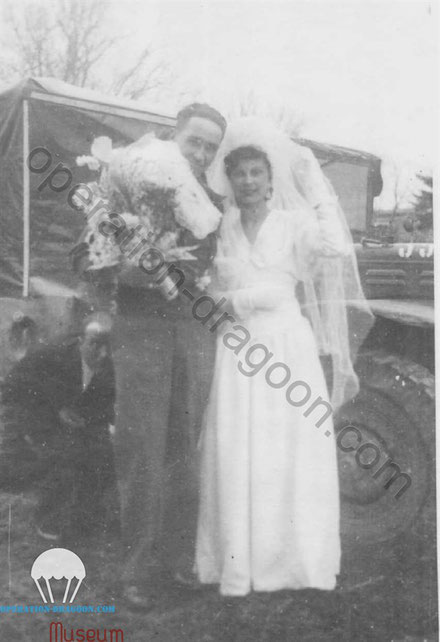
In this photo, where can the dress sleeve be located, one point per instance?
(257, 297)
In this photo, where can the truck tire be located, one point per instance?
(386, 451)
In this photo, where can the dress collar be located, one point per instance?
(242, 233)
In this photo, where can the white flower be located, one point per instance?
(91, 162)
(203, 282)
(102, 149)
(149, 164)
(149, 184)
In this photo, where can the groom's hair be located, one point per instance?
(200, 110)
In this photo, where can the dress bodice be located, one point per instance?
(286, 250)
(242, 264)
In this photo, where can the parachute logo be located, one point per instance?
(58, 563)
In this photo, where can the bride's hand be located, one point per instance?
(256, 298)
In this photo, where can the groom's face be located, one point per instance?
(199, 140)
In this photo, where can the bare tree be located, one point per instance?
(70, 40)
(282, 115)
(423, 198)
(410, 187)
(63, 40)
(144, 75)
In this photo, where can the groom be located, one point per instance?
(164, 360)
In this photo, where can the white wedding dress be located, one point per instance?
(269, 508)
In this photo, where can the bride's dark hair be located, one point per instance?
(246, 152)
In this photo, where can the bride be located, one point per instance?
(269, 498)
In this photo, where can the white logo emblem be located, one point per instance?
(58, 563)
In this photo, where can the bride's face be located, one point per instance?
(250, 182)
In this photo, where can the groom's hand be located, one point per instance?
(168, 288)
(181, 254)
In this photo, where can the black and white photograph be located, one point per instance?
(217, 320)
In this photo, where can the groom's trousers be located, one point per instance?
(164, 359)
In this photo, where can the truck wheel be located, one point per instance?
(386, 450)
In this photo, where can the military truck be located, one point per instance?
(385, 435)
(45, 124)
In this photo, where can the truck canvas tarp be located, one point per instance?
(38, 227)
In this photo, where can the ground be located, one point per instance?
(387, 594)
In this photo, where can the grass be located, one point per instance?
(393, 598)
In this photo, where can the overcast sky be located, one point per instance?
(360, 73)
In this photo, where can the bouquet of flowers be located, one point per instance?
(149, 184)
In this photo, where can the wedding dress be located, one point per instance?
(269, 511)
(269, 497)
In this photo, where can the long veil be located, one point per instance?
(333, 298)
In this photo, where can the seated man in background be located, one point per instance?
(58, 406)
